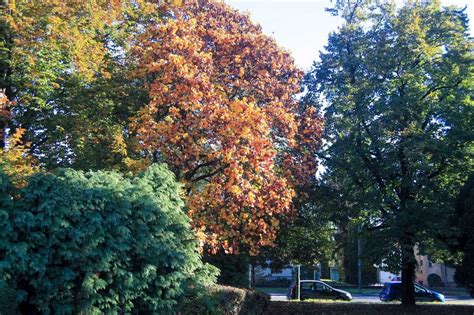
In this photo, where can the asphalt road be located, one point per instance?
(374, 298)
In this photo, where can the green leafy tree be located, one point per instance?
(465, 220)
(306, 241)
(98, 242)
(398, 121)
(234, 269)
(351, 257)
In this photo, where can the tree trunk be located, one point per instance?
(3, 116)
(3, 127)
(408, 273)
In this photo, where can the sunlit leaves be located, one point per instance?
(15, 159)
(223, 116)
(64, 68)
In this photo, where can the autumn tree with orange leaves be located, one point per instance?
(223, 115)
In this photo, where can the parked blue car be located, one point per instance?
(393, 291)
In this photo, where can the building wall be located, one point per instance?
(385, 276)
(426, 267)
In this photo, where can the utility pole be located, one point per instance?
(250, 276)
(359, 258)
(298, 282)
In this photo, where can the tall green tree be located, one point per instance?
(465, 220)
(398, 110)
(306, 241)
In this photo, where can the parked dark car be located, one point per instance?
(393, 291)
(314, 289)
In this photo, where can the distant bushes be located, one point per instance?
(97, 242)
(219, 299)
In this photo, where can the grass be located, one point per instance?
(365, 308)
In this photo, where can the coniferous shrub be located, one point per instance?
(98, 242)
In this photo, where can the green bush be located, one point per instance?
(219, 299)
(7, 300)
(98, 242)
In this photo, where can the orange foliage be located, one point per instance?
(16, 161)
(223, 116)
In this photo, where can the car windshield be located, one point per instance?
(314, 285)
(419, 288)
(327, 286)
(322, 287)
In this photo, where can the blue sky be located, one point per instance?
(302, 26)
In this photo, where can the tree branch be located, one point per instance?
(217, 171)
(438, 87)
(190, 174)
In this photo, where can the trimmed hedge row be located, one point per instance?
(276, 308)
(226, 300)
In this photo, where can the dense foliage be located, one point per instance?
(101, 85)
(16, 160)
(465, 220)
(209, 94)
(63, 77)
(95, 242)
(307, 241)
(350, 248)
(223, 116)
(398, 122)
(234, 269)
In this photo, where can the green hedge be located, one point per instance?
(285, 308)
(98, 242)
(217, 300)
